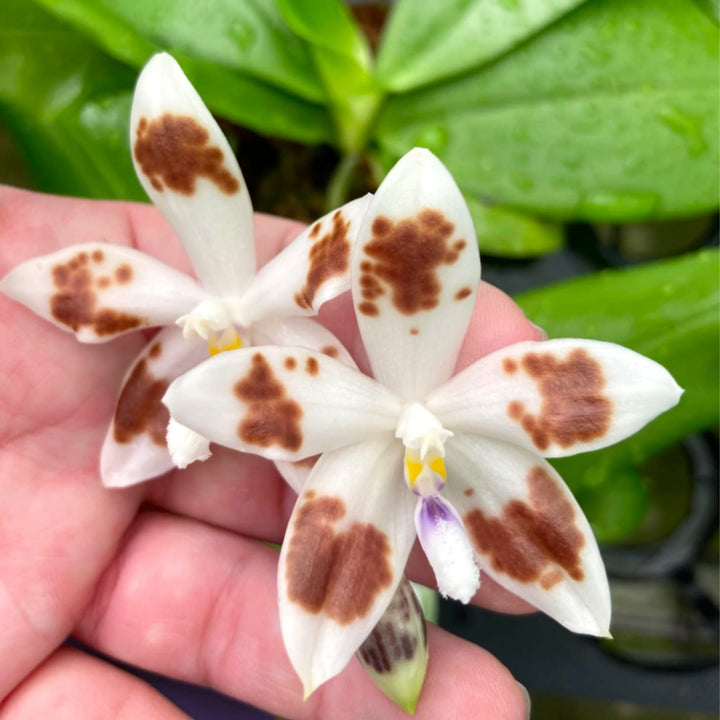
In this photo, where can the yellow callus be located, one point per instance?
(228, 339)
(414, 465)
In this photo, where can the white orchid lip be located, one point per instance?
(443, 538)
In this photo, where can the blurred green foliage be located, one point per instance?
(545, 111)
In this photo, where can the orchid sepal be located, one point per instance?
(556, 397)
(415, 274)
(312, 269)
(189, 171)
(324, 616)
(135, 446)
(99, 291)
(284, 403)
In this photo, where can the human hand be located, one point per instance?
(173, 575)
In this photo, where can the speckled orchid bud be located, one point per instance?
(395, 654)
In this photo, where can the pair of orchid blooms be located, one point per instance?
(457, 460)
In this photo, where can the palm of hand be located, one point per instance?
(172, 575)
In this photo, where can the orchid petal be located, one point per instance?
(135, 447)
(284, 403)
(301, 332)
(528, 532)
(343, 556)
(99, 291)
(415, 273)
(312, 269)
(557, 397)
(186, 166)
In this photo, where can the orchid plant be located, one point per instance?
(457, 460)
(99, 291)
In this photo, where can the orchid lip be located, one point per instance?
(447, 547)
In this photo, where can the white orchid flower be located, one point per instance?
(99, 291)
(459, 461)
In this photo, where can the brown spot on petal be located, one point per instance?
(369, 308)
(573, 407)
(103, 282)
(329, 256)
(98, 256)
(330, 351)
(271, 417)
(139, 408)
(338, 573)
(75, 302)
(529, 540)
(468, 492)
(175, 149)
(155, 350)
(463, 293)
(290, 363)
(509, 366)
(550, 579)
(414, 331)
(405, 257)
(123, 273)
(311, 366)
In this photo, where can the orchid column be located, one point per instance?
(456, 460)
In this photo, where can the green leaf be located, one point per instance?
(248, 37)
(425, 42)
(67, 106)
(342, 59)
(327, 24)
(711, 8)
(666, 310)
(245, 63)
(610, 114)
(617, 507)
(505, 233)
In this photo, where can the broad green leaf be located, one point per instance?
(711, 8)
(258, 106)
(67, 106)
(666, 310)
(245, 63)
(328, 24)
(616, 508)
(342, 59)
(505, 233)
(610, 114)
(248, 37)
(425, 42)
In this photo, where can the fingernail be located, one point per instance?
(526, 698)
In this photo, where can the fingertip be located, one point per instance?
(497, 321)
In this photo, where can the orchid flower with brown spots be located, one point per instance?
(99, 291)
(457, 461)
